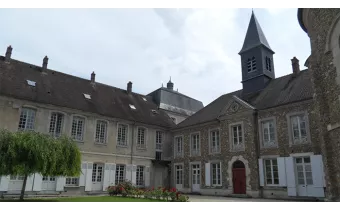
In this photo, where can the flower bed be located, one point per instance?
(126, 189)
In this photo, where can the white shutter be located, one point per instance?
(261, 174)
(134, 171)
(88, 178)
(37, 182)
(29, 183)
(106, 181)
(4, 183)
(147, 176)
(207, 174)
(128, 172)
(60, 183)
(112, 174)
(281, 165)
(318, 176)
(82, 176)
(290, 174)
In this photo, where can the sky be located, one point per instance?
(198, 48)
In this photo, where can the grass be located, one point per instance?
(85, 199)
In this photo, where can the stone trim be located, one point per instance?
(175, 146)
(127, 134)
(221, 173)
(200, 143)
(289, 126)
(230, 171)
(84, 126)
(231, 139)
(209, 140)
(260, 121)
(146, 137)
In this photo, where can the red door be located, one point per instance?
(239, 180)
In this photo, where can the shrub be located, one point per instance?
(183, 198)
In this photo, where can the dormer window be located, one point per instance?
(31, 83)
(268, 64)
(132, 106)
(144, 99)
(251, 64)
(87, 96)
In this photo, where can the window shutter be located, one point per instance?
(4, 183)
(147, 176)
(106, 181)
(207, 174)
(128, 172)
(37, 182)
(29, 183)
(112, 174)
(60, 183)
(88, 177)
(318, 176)
(290, 174)
(134, 170)
(83, 174)
(261, 172)
(281, 166)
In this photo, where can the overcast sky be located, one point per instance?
(198, 48)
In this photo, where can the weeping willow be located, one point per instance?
(26, 153)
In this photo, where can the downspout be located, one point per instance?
(257, 146)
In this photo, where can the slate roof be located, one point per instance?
(280, 91)
(254, 36)
(176, 102)
(65, 90)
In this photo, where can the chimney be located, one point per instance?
(45, 62)
(295, 65)
(93, 77)
(129, 87)
(8, 53)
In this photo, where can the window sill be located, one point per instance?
(78, 141)
(298, 144)
(214, 153)
(100, 144)
(141, 149)
(122, 146)
(71, 186)
(270, 147)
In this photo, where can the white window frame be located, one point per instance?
(83, 127)
(237, 147)
(178, 153)
(72, 182)
(216, 171)
(119, 140)
(62, 124)
(29, 110)
(261, 133)
(217, 149)
(196, 152)
(291, 131)
(181, 169)
(140, 181)
(271, 171)
(118, 173)
(138, 145)
(159, 145)
(96, 140)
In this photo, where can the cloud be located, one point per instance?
(198, 48)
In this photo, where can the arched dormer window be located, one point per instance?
(268, 64)
(251, 64)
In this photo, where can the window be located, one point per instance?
(56, 124)
(159, 140)
(140, 176)
(31, 83)
(268, 133)
(271, 172)
(299, 128)
(77, 128)
(87, 96)
(97, 172)
(251, 64)
(304, 171)
(122, 135)
(141, 144)
(236, 132)
(144, 99)
(195, 144)
(178, 146)
(132, 106)
(215, 141)
(268, 64)
(27, 118)
(72, 181)
(158, 155)
(120, 174)
(216, 174)
(48, 178)
(179, 174)
(101, 130)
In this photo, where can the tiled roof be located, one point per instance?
(65, 90)
(280, 91)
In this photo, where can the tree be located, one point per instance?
(26, 153)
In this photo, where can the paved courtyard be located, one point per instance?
(225, 202)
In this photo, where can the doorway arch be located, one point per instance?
(239, 177)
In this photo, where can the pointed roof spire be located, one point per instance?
(170, 85)
(254, 36)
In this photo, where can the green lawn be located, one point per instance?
(85, 199)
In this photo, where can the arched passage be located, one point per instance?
(239, 177)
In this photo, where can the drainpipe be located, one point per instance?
(257, 146)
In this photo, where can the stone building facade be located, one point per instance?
(260, 141)
(323, 29)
